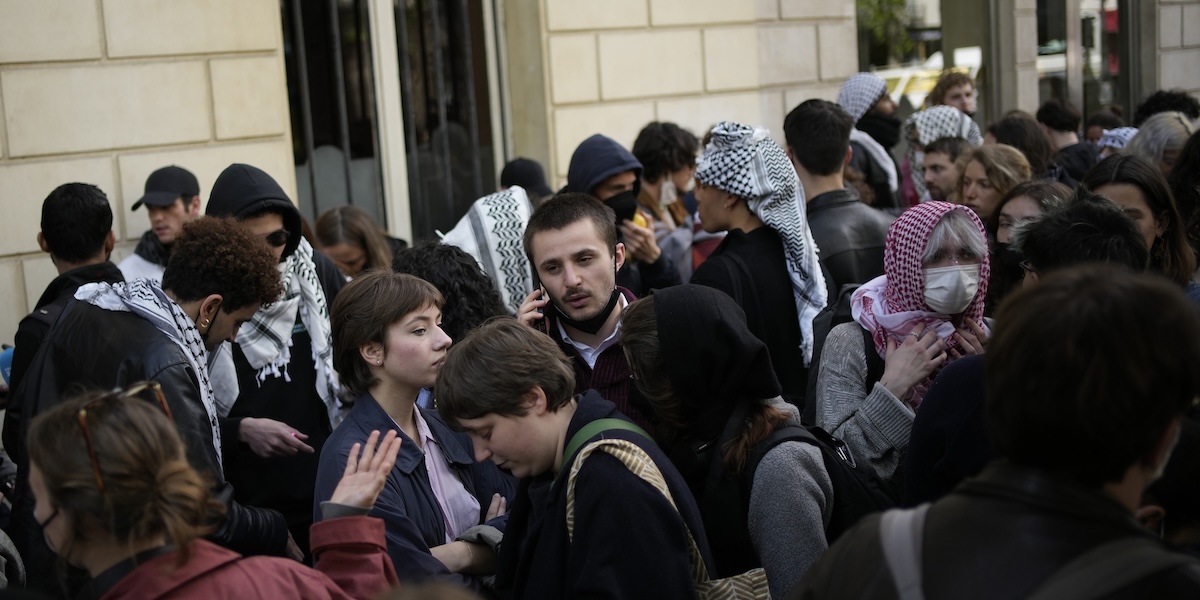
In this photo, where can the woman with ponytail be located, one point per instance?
(116, 496)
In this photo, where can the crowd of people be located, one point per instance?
(713, 366)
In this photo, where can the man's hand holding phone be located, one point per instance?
(531, 312)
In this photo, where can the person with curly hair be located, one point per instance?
(954, 89)
(668, 156)
(111, 335)
(1164, 101)
(471, 296)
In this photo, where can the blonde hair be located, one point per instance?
(1004, 165)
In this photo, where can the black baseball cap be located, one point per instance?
(166, 185)
(526, 173)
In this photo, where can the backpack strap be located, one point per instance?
(902, 533)
(595, 428)
(1108, 568)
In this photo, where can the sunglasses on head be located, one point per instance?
(132, 391)
(278, 238)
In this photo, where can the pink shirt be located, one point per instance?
(460, 509)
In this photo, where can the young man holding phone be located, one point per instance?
(571, 241)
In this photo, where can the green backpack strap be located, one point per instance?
(595, 428)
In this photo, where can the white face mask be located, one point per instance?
(950, 290)
(668, 193)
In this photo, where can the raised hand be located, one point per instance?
(364, 476)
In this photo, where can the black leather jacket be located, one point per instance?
(999, 535)
(850, 238)
(93, 348)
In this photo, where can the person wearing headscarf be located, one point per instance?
(709, 384)
(1112, 141)
(746, 185)
(924, 128)
(876, 130)
(924, 311)
(491, 232)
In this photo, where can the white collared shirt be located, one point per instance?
(589, 353)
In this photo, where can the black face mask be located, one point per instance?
(593, 324)
(624, 204)
(884, 129)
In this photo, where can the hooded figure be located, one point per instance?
(723, 400)
(922, 129)
(281, 365)
(858, 96)
(594, 161)
(897, 309)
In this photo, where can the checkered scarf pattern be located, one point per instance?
(146, 299)
(746, 162)
(860, 92)
(930, 125)
(894, 304)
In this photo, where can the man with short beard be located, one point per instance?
(571, 241)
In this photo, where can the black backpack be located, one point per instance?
(857, 491)
(834, 314)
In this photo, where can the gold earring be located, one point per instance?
(205, 323)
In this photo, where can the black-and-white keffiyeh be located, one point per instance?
(146, 299)
(746, 162)
(266, 339)
(858, 94)
(492, 232)
(930, 125)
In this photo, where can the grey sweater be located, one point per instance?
(791, 502)
(873, 422)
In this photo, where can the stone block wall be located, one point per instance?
(107, 91)
(1179, 45)
(611, 67)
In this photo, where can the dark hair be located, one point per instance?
(1185, 186)
(1170, 254)
(664, 148)
(1089, 229)
(1163, 101)
(215, 255)
(1105, 120)
(948, 81)
(1049, 196)
(362, 313)
(471, 296)
(1023, 133)
(495, 365)
(952, 147)
(1059, 115)
(648, 364)
(818, 134)
(352, 225)
(1064, 397)
(1176, 491)
(564, 210)
(76, 220)
(150, 490)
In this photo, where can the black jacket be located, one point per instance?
(850, 238)
(997, 536)
(93, 348)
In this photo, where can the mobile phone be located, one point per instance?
(540, 324)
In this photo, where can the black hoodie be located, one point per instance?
(243, 191)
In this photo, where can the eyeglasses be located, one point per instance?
(278, 238)
(1025, 266)
(132, 391)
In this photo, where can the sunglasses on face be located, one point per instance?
(278, 238)
(133, 391)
